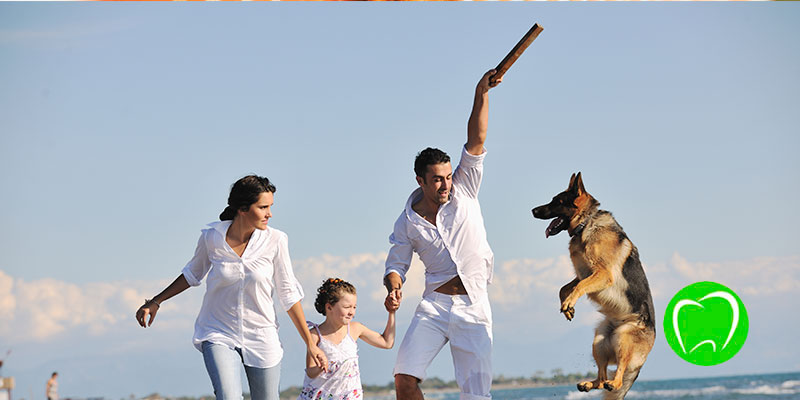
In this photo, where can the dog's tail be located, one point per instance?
(627, 381)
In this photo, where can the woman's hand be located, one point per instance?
(150, 307)
(319, 357)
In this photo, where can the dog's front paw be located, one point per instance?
(585, 386)
(568, 308)
(609, 385)
(569, 313)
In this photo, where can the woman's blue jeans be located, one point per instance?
(223, 366)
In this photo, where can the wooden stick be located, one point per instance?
(514, 54)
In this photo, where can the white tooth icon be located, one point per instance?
(734, 322)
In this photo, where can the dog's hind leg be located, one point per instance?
(632, 343)
(627, 381)
(603, 353)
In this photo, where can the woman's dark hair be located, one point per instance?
(244, 193)
(429, 156)
(331, 292)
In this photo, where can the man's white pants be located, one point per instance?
(440, 318)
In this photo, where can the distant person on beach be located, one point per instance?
(337, 336)
(443, 224)
(245, 262)
(51, 390)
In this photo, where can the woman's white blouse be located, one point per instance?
(238, 310)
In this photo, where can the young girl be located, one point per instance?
(336, 336)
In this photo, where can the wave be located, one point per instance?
(706, 391)
(581, 395)
(785, 388)
(790, 384)
(724, 388)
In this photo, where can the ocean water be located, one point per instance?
(746, 387)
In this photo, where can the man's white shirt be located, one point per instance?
(456, 245)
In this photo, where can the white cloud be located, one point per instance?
(7, 302)
(364, 271)
(40, 309)
(516, 281)
(533, 285)
(762, 276)
(47, 316)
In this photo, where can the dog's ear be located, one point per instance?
(579, 184)
(571, 182)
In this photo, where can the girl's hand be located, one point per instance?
(392, 302)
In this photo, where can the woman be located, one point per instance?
(51, 388)
(244, 261)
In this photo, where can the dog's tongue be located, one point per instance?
(553, 224)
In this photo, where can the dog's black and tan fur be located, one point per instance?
(609, 272)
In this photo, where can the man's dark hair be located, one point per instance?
(429, 156)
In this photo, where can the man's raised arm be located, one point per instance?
(479, 118)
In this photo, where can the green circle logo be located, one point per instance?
(706, 323)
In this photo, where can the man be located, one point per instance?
(442, 223)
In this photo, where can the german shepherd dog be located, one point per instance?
(609, 272)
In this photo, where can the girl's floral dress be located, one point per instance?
(343, 379)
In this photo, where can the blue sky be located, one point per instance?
(122, 127)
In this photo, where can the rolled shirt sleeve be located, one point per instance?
(399, 258)
(197, 268)
(469, 173)
(286, 284)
